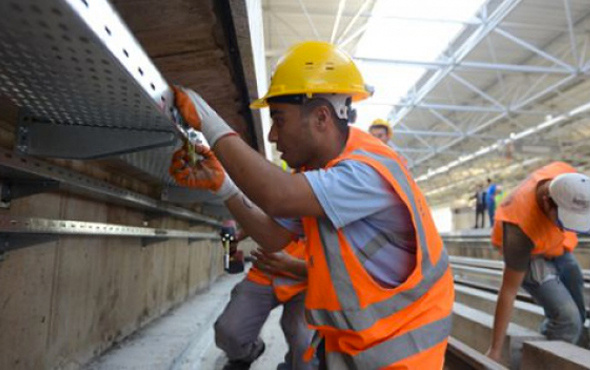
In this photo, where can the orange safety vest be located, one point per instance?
(367, 326)
(285, 285)
(521, 208)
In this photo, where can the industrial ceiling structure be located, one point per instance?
(509, 93)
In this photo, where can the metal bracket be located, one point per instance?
(11, 189)
(9, 241)
(47, 139)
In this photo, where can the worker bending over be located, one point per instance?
(535, 230)
(380, 291)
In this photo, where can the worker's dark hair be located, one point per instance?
(309, 104)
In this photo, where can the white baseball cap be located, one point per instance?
(571, 193)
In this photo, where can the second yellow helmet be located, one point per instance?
(379, 122)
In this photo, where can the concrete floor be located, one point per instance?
(183, 338)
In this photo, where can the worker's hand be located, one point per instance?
(494, 354)
(272, 263)
(203, 174)
(199, 115)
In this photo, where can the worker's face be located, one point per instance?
(290, 131)
(550, 208)
(380, 133)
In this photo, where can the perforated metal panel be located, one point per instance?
(155, 164)
(75, 62)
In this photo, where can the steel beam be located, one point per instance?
(309, 20)
(445, 120)
(572, 35)
(513, 138)
(534, 49)
(341, 6)
(443, 134)
(417, 137)
(469, 65)
(45, 139)
(473, 40)
(278, 53)
(359, 32)
(478, 91)
(468, 108)
(354, 19)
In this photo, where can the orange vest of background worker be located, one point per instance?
(521, 209)
(285, 285)
(531, 231)
(364, 325)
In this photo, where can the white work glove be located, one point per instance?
(199, 115)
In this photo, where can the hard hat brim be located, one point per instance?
(259, 103)
(263, 102)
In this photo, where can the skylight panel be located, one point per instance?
(407, 31)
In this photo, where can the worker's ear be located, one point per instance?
(322, 117)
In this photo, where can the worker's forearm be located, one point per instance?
(503, 312)
(271, 236)
(260, 180)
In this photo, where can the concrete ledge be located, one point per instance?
(475, 327)
(554, 355)
(525, 314)
(462, 357)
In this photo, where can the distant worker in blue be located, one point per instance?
(491, 201)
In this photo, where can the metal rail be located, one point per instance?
(484, 236)
(17, 170)
(20, 232)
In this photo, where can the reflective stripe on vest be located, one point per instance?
(351, 316)
(398, 347)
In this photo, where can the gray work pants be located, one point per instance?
(558, 286)
(237, 330)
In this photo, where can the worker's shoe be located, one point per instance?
(283, 366)
(244, 365)
(237, 365)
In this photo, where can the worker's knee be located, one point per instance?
(227, 331)
(574, 326)
(567, 326)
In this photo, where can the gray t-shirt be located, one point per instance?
(359, 201)
(516, 247)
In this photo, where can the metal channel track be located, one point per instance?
(31, 225)
(467, 236)
(15, 168)
(21, 232)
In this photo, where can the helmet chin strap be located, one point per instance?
(341, 104)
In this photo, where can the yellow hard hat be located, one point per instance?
(315, 67)
(379, 122)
